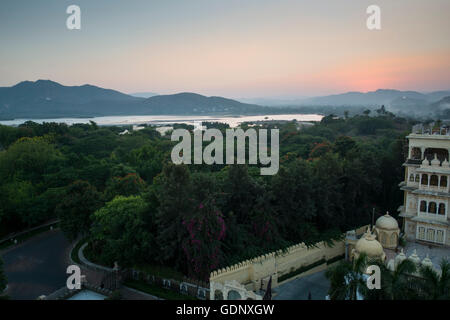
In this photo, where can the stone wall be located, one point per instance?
(255, 273)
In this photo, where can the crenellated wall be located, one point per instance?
(255, 273)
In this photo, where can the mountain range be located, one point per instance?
(49, 99)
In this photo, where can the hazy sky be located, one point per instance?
(234, 48)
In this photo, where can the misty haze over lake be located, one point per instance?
(170, 119)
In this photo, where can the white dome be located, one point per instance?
(427, 262)
(386, 222)
(370, 246)
(399, 258)
(435, 161)
(414, 258)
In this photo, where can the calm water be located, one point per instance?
(166, 120)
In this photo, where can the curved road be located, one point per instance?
(37, 266)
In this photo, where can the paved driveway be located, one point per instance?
(298, 289)
(37, 266)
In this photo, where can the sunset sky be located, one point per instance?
(233, 48)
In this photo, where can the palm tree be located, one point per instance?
(435, 286)
(347, 281)
(398, 284)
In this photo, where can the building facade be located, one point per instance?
(427, 189)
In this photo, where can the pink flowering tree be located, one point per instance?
(203, 245)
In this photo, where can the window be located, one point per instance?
(423, 206)
(421, 234)
(416, 153)
(444, 181)
(430, 235)
(383, 238)
(440, 236)
(425, 179)
(442, 209)
(432, 207)
(411, 178)
(417, 178)
(393, 239)
(434, 180)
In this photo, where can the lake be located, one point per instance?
(170, 119)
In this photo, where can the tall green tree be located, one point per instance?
(119, 232)
(28, 159)
(293, 194)
(75, 210)
(174, 193)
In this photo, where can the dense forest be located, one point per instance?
(123, 193)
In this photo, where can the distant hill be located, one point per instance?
(143, 94)
(48, 99)
(382, 96)
(406, 103)
(442, 108)
(444, 103)
(192, 103)
(45, 98)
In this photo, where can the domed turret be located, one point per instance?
(427, 262)
(387, 231)
(370, 246)
(415, 258)
(400, 257)
(435, 161)
(386, 222)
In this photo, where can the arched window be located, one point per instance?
(381, 238)
(423, 206)
(434, 180)
(218, 295)
(411, 178)
(424, 179)
(442, 209)
(416, 153)
(417, 178)
(443, 181)
(234, 295)
(432, 207)
(393, 239)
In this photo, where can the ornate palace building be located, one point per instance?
(426, 187)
